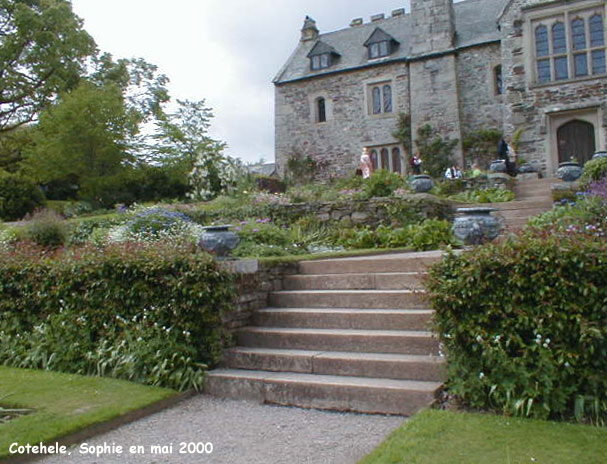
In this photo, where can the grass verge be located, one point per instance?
(65, 403)
(443, 437)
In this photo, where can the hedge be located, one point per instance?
(148, 314)
(523, 324)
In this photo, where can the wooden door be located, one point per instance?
(576, 139)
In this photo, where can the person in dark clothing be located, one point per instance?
(506, 152)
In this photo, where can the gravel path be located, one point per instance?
(241, 432)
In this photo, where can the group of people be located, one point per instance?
(504, 151)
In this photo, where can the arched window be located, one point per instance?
(396, 163)
(387, 90)
(385, 159)
(376, 95)
(559, 47)
(498, 81)
(321, 113)
(578, 37)
(374, 159)
(542, 49)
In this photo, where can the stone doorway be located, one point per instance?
(576, 139)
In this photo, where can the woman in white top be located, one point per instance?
(366, 165)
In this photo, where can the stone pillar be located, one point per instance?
(434, 89)
(432, 26)
(309, 30)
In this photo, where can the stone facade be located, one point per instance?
(459, 67)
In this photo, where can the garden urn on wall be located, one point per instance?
(498, 166)
(599, 154)
(218, 240)
(421, 183)
(476, 225)
(569, 171)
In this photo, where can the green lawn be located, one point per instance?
(65, 403)
(442, 437)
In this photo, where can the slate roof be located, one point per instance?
(321, 48)
(475, 22)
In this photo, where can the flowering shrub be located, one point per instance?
(381, 184)
(147, 313)
(523, 322)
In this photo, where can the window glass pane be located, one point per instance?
(322, 114)
(376, 96)
(324, 61)
(560, 68)
(385, 159)
(387, 99)
(578, 33)
(597, 31)
(396, 165)
(383, 48)
(315, 62)
(499, 83)
(543, 71)
(598, 62)
(374, 159)
(581, 64)
(374, 50)
(559, 41)
(541, 41)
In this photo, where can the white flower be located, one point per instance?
(481, 375)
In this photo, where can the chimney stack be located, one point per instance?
(309, 30)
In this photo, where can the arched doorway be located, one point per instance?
(576, 139)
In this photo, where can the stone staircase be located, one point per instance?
(344, 334)
(533, 197)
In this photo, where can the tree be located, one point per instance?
(82, 137)
(43, 49)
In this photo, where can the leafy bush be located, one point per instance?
(261, 237)
(481, 145)
(46, 228)
(490, 195)
(18, 196)
(594, 170)
(69, 209)
(151, 314)
(435, 151)
(381, 184)
(429, 235)
(524, 326)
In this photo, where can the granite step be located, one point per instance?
(355, 281)
(416, 342)
(359, 299)
(373, 365)
(344, 318)
(356, 394)
(398, 262)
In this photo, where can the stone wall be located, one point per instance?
(480, 105)
(254, 280)
(370, 212)
(535, 108)
(349, 126)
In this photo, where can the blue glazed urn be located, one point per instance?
(599, 154)
(498, 166)
(476, 225)
(218, 240)
(421, 183)
(569, 171)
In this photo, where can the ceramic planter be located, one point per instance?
(421, 183)
(476, 225)
(218, 240)
(569, 171)
(498, 166)
(599, 154)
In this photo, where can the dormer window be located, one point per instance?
(380, 44)
(322, 56)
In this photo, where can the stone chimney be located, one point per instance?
(309, 31)
(433, 26)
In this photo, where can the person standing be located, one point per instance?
(416, 164)
(506, 152)
(366, 165)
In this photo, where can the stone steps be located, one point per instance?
(344, 318)
(342, 393)
(380, 365)
(378, 299)
(348, 334)
(356, 281)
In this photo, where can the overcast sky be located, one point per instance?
(224, 51)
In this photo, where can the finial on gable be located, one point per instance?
(309, 30)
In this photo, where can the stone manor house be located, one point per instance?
(535, 65)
